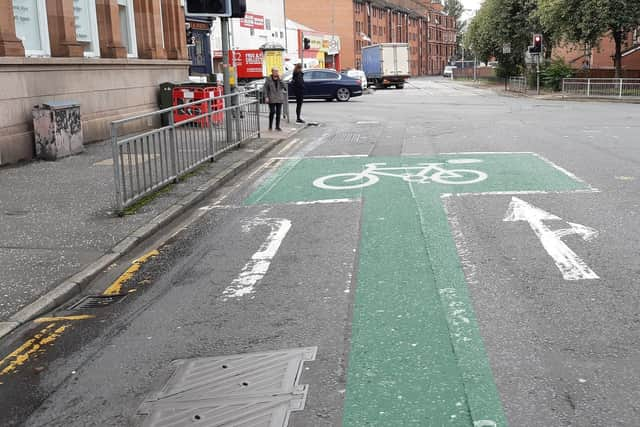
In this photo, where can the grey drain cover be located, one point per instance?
(256, 389)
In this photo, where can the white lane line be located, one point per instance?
(259, 264)
(286, 147)
(515, 193)
(568, 262)
(325, 202)
(337, 156)
(560, 168)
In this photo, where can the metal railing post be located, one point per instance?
(212, 139)
(258, 112)
(621, 83)
(588, 88)
(117, 171)
(286, 102)
(236, 106)
(173, 146)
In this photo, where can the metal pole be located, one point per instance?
(301, 48)
(538, 75)
(621, 83)
(116, 167)
(227, 84)
(173, 145)
(212, 139)
(475, 68)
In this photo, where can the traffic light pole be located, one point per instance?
(538, 74)
(301, 46)
(226, 76)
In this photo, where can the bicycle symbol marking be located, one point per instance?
(422, 173)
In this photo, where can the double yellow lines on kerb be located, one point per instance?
(116, 287)
(56, 326)
(38, 343)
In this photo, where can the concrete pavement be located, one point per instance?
(58, 222)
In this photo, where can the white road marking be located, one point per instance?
(325, 202)
(338, 156)
(259, 264)
(569, 264)
(515, 193)
(286, 147)
(560, 168)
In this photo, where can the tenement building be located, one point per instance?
(430, 33)
(107, 55)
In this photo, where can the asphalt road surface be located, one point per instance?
(453, 257)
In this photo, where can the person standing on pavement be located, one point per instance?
(298, 90)
(274, 96)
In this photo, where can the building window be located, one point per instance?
(31, 26)
(84, 12)
(128, 27)
(267, 24)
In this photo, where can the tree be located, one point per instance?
(455, 8)
(500, 22)
(587, 21)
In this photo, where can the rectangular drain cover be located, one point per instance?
(96, 301)
(256, 389)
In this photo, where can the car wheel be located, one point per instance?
(401, 86)
(343, 94)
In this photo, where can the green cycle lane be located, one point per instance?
(417, 356)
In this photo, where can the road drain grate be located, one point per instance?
(256, 389)
(346, 137)
(96, 301)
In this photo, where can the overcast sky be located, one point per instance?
(471, 4)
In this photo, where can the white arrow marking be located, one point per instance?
(260, 262)
(570, 264)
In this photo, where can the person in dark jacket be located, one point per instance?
(298, 90)
(274, 96)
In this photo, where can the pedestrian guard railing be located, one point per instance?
(601, 88)
(182, 138)
(517, 84)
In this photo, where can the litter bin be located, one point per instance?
(165, 99)
(57, 130)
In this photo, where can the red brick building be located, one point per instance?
(600, 57)
(430, 33)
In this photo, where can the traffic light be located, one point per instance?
(208, 8)
(238, 8)
(191, 40)
(306, 43)
(537, 44)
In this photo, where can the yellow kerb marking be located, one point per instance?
(116, 287)
(22, 354)
(57, 319)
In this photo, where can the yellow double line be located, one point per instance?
(47, 336)
(38, 344)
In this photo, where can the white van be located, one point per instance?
(448, 71)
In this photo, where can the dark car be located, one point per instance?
(327, 84)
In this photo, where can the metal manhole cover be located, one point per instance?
(256, 389)
(96, 301)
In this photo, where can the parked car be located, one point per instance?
(448, 71)
(358, 74)
(320, 83)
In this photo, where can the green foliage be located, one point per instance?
(553, 74)
(499, 22)
(454, 8)
(587, 21)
